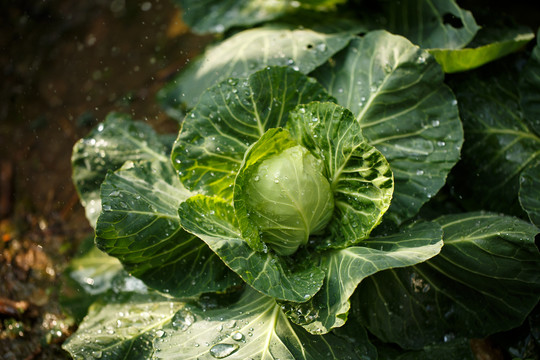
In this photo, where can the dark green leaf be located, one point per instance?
(499, 144)
(229, 118)
(359, 175)
(139, 225)
(529, 89)
(252, 50)
(107, 147)
(216, 16)
(397, 93)
(451, 349)
(212, 219)
(486, 279)
(346, 268)
(434, 24)
(529, 192)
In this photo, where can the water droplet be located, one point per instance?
(237, 335)
(107, 208)
(183, 320)
(448, 337)
(221, 351)
(441, 143)
(372, 88)
(419, 172)
(257, 178)
(421, 59)
(97, 354)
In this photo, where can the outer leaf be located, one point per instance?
(217, 16)
(499, 142)
(529, 89)
(139, 225)
(397, 93)
(123, 327)
(213, 220)
(107, 147)
(346, 268)
(94, 271)
(253, 328)
(229, 118)
(88, 276)
(450, 349)
(439, 24)
(486, 279)
(273, 142)
(359, 175)
(529, 192)
(456, 60)
(252, 50)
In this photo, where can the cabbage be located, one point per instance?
(289, 198)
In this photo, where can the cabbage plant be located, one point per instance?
(298, 212)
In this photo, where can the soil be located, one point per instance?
(65, 65)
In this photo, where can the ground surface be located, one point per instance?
(64, 65)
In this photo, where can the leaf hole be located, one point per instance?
(452, 20)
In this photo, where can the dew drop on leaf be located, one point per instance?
(237, 335)
(221, 351)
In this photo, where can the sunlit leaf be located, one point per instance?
(252, 50)
(229, 118)
(360, 177)
(108, 147)
(455, 60)
(347, 268)
(397, 94)
(212, 219)
(140, 226)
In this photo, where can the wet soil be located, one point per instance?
(64, 65)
